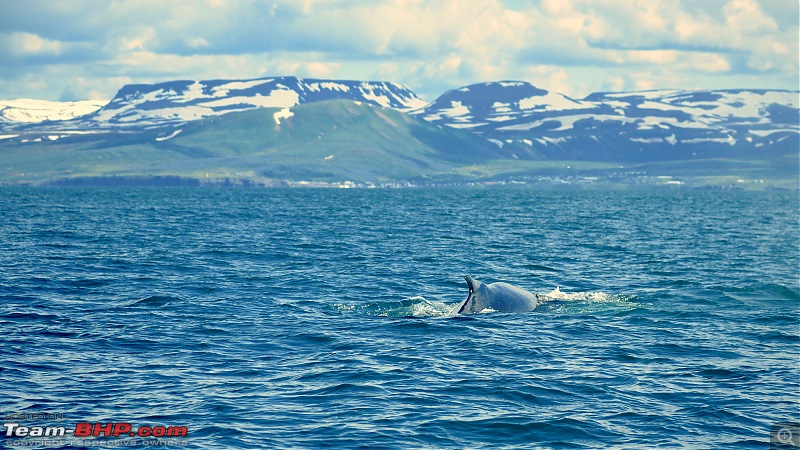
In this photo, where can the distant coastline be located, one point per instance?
(569, 183)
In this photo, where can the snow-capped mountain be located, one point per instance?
(32, 111)
(483, 106)
(181, 101)
(520, 119)
(532, 122)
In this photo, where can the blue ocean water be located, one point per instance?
(272, 318)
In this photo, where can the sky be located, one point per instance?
(88, 49)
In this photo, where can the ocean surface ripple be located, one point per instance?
(323, 318)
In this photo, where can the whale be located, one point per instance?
(501, 297)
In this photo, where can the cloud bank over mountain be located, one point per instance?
(82, 49)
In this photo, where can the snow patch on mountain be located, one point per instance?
(31, 111)
(327, 85)
(285, 113)
(170, 136)
(522, 120)
(551, 101)
(175, 101)
(632, 122)
(223, 90)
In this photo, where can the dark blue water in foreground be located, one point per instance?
(321, 318)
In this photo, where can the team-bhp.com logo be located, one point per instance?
(121, 432)
(86, 429)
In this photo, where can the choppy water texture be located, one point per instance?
(321, 318)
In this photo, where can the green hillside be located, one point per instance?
(324, 141)
(336, 141)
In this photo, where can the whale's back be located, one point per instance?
(508, 298)
(496, 296)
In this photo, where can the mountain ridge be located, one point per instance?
(186, 100)
(26, 110)
(509, 120)
(539, 123)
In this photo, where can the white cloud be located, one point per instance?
(655, 57)
(573, 46)
(318, 69)
(708, 62)
(556, 79)
(29, 44)
(746, 16)
(614, 84)
(196, 42)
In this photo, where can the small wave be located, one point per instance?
(772, 290)
(587, 302)
(540, 268)
(154, 301)
(592, 296)
(30, 316)
(411, 307)
(556, 300)
(781, 291)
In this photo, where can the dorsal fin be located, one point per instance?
(472, 283)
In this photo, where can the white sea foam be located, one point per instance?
(417, 306)
(425, 308)
(592, 296)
